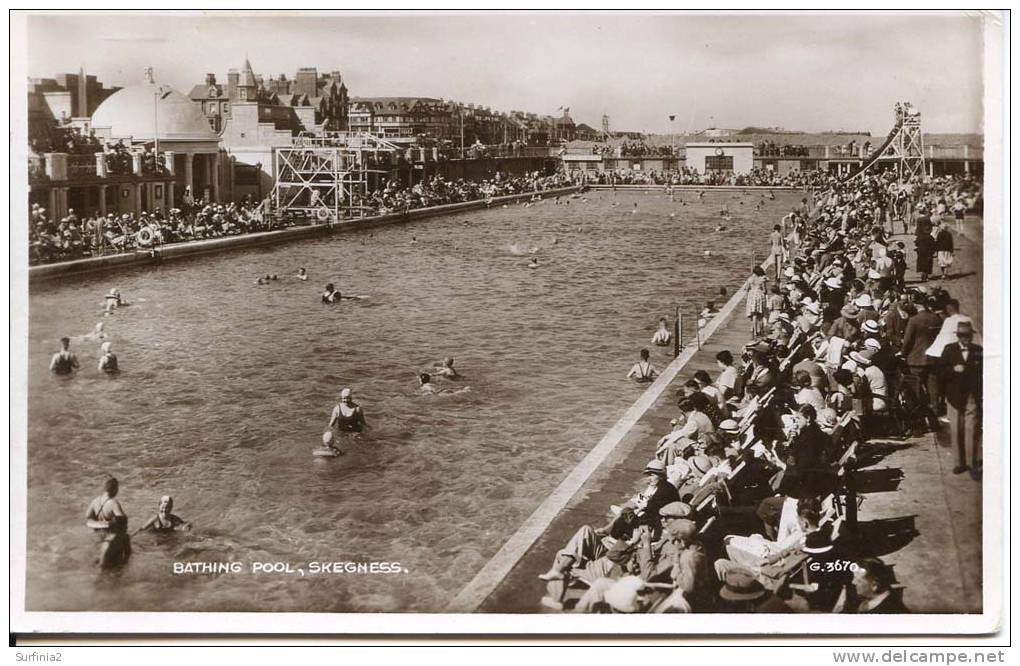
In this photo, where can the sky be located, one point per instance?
(803, 72)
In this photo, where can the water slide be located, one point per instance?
(878, 152)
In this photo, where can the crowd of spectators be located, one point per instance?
(76, 237)
(748, 504)
(437, 191)
(772, 149)
(758, 177)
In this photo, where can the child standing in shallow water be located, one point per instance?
(756, 301)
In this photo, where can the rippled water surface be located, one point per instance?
(226, 388)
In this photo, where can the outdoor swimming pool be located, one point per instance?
(226, 388)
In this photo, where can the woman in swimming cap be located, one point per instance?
(165, 520)
(108, 360)
(347, 415)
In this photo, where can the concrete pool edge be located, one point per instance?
(489, 577)
(213, 245)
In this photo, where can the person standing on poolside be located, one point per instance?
(777, 250)
(64, 362)
(347, 415)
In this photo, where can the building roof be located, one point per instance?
(132, 111)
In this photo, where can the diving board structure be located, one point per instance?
(327, 177)
(904, 146)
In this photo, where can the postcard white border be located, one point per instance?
(996, 512)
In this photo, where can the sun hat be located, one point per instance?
(655, 467)
(864, 301)
(812, 307)
(874, 275)
(739, 584)
(700, 465)
(730, 426)
(869, 326)
(833, 283)
(862, 357)
(818, 542)
(873, 343)
(849, 312)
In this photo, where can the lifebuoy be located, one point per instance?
(145, 236)
(322, 214)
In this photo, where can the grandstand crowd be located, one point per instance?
(749, 503)
(78, 236)
(758, 177)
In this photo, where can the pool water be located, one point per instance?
(226, 387)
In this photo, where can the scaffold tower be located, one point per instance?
(327, 177)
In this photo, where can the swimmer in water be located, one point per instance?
(327, 449)
(108, 360)
(425, 385)
(446, 369)
(414, 240)
(165, 521)
(113, 300)
(106, 517)
(643, 371)
(301, 274)
(662, 335)
(64, 362)
(96, 334)
(331, 295)
(533, 263)
(347, 415)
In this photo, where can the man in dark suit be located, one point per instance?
(961, 370)
(921, 331)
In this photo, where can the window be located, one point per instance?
(718, 163)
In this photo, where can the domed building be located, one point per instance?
(158, 118)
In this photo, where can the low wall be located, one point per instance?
(212, 245)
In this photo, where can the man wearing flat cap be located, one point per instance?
(961, 370)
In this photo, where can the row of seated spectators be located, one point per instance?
(769, 148)
(633, 149)
(74, 237)
(437, 191)
(687, 176)
(748, 504)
